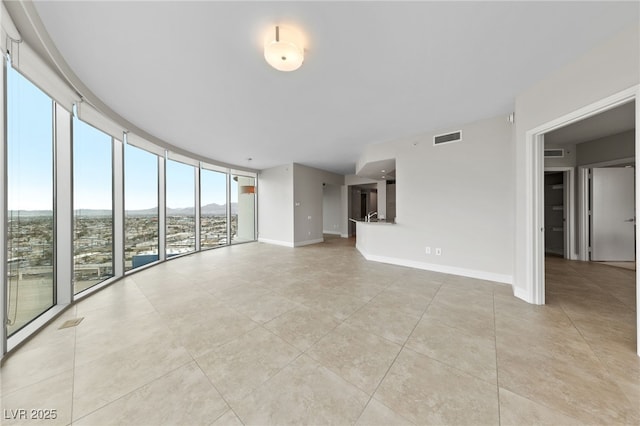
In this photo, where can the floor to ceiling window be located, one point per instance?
(141, 207)
(30, 215)
(64, 229)
(93, 206)
(181, 210)
(243, 209)
(213, 208)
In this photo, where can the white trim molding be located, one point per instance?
(275, 242)
(534, 160)
(308, 242)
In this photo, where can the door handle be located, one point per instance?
(630, 220)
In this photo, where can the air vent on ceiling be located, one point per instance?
(554, 153)
(447, 138)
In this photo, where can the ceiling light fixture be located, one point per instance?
(283, 49)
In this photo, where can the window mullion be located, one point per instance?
(63, 207)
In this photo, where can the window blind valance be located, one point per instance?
(92, 116)
(139, 142)
(182, 159)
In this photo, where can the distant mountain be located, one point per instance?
(217, 209)
(212, 209)
(145, 212)
(28, 213)
(92, 213)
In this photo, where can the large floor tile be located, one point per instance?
(50, 398)
(228, 419)
(385, 321)
(182, 397)
(359, 357)
(474, 353)
(114, 375)
(340, 306)
(304, 393)
(302, 327)
(408, 302)
(38, 361)
(240, 366)
(464, 315)
(426, 391)
(264, 307)
(376, 413)
(201, 332)
(97, 339)
(577, 387)
(516, 411)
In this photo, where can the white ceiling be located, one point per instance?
(193, 74)
(382, 169)
(611, 122)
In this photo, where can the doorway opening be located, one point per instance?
(599, 153)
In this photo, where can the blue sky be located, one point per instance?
(29, 151)
(30, 161)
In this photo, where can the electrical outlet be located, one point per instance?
(308, 217)
(427, 250)
(438, 251)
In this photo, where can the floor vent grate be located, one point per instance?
(71, 323)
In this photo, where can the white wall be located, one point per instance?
(457, 197)
(614, 147)
(603, 71)
(332, 209)
(275, 205)
(307, 201)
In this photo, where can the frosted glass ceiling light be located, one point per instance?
(283, 49)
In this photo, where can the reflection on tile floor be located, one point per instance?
(258, 334)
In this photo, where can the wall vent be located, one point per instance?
(447, 138)
(554, 153)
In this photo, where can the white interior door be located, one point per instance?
(612, 214)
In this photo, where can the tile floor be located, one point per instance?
(257, 334)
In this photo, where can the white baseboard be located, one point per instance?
(275, 242)
(331, 232)
(308, 242)
(344, 235)
(471, 273)
(521, 293)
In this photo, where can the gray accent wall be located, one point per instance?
(290, 204)
(308, 199)
(332, 209)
